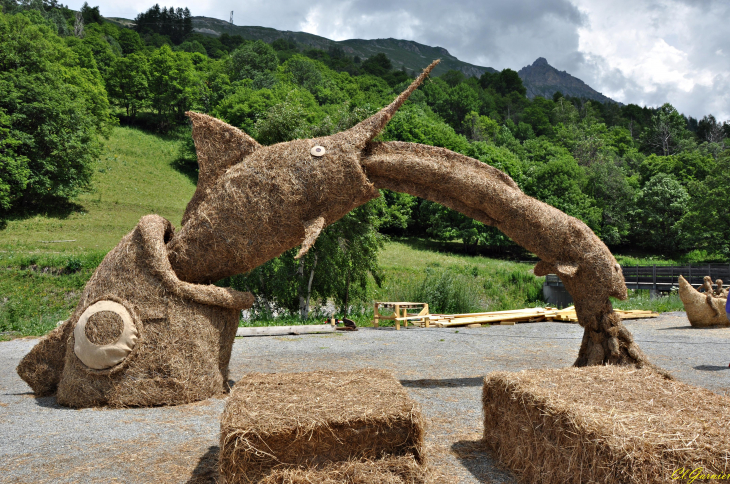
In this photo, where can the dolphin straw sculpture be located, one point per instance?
(254, 202)
(704, 308)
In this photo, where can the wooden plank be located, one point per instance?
(411, 318)
(511, 311)
(279, 330)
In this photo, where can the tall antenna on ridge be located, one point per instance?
(231, 20)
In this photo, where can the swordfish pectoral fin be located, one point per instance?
(312, 229)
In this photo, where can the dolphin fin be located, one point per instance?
(543, 268)
(219, 146)
(312, 229)
(562, 269)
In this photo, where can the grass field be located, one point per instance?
(135, 176)
(47, 259)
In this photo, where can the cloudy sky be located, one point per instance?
(635, 51)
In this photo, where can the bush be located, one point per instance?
(444, 291)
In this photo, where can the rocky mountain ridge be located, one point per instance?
(540, 78)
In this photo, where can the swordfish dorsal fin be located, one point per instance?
(219, 146)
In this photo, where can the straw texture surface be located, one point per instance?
(185, 332)
(388, 470)
(703, 309)
(604, 424)
(306, 421)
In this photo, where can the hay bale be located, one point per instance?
(703, 309)
(604, 424)
(177, 336)
(310, 420)
(388, 470)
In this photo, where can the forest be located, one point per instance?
(644, 179)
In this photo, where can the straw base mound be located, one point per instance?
(603, 424)
(702, 309)
(185, 332)
(310, 420)
(389, 470)
(606, 341)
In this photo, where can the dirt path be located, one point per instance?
(442, 369)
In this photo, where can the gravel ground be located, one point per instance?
(41, 442)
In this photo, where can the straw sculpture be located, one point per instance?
(302, 422)
(254, 202)
(179, 335)
(281, 196)
(703, 308)
(719, 290)
(605, 424)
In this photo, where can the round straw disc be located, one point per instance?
(101, 357)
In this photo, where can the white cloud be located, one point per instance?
(659, 51)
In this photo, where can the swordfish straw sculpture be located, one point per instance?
(251, 204)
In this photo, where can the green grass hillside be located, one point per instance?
(135, 176)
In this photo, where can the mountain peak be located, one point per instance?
(542, 79)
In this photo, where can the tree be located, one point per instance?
(615, 197)
(453, 77)
(171, 84)
(537, 115)
(176, 24)
(128, 83)
(14, 170)
(445, 224)
(660, 206)
(503, 82)
(706, 224)
(708, 129)
(666, 129)
(480, 128)
(52, 113)
(251, 60)
(91, 14)
(377, 65)
(130, 41)
(684, 166)
(304, 72)
(336, 267)
(553, 176)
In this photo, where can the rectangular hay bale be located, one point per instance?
(605, 424)
(389, 470)
(308, 420)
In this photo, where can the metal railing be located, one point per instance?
(664, 278)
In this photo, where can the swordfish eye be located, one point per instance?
(104, 335)
(317, 151)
